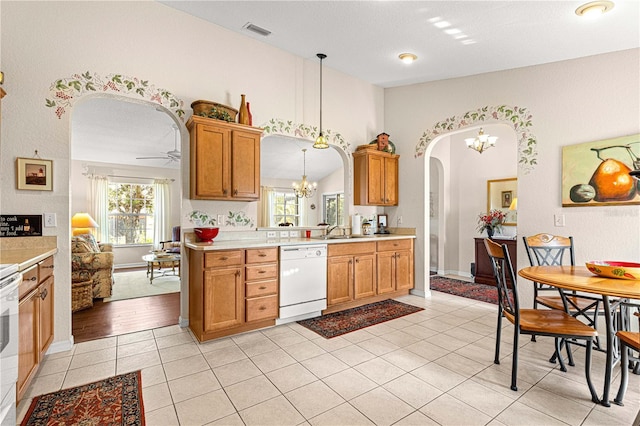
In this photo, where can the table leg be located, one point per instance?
(611, 335)
(151, 279)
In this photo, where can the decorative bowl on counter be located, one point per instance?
(206, 235)
(612, 269)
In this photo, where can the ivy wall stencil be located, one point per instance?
(518, 117)
(289, 128)
(65, 91)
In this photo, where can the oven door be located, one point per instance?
(9, 333)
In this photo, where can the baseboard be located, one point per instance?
(63, 346)
(183, 322)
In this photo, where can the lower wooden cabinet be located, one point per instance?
(35, 322)
(395, 265)
(231, 291)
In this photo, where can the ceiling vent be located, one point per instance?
(256, 29)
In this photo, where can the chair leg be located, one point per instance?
(587, 372)
(514, 362)
(496, 359)
(624, 378)
(569, 353)
(563, 368)
(535, 306)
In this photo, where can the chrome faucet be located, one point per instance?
(330, 229)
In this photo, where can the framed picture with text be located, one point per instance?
(34, 174)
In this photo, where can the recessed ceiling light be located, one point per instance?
(470, 41)
(460, 36)
(441, 24)
(594, 8)
(452, 31)
(256, 29)
(407, 58)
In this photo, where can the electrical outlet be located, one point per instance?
(294, 234)
(220, 220)
(271, 234)
(284, 234)
(558, 219)
(50, 220)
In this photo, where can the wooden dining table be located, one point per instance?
(579, 278)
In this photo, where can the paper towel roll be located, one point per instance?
(356, 224)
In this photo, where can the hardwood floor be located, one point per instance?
(125, 316)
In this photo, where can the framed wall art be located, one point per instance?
(34, 174)
(507, 196)
(597, 173)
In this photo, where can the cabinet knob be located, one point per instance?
(262, 287)
(43, 294)
(224, 258)
(237, 273)
(262, 308)
(357, 260)
(32, 278)
(224, 192)
(235, 192)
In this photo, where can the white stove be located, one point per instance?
(10, 280)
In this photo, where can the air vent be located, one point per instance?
(256, 29)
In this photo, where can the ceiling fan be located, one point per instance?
(173, 155)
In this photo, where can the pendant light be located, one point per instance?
(304, 189)
(482, 142)
(321, 141)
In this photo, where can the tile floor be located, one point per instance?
(432, 367)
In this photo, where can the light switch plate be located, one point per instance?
(220, 220)
(558, 219)
(49, 220)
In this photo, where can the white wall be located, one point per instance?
(571, 102)
(187, 56)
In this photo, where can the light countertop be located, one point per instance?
(26, 257)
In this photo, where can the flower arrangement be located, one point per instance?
(491, 221)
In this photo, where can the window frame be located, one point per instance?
(113, 223)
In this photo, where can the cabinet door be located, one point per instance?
(386, 272)
(375, 180)
(404, 270)
(391, 181)
(210, 153)
(364, 276)
(245, 169)
(223, 298)
(45, 317)
(339, 279)
(28, 352)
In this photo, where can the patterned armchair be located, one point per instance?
(91, 261)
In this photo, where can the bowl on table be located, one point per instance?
(614, 269)
(206, 235)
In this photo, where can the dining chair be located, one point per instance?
(542, 322)
(550, 250)
(629, 340)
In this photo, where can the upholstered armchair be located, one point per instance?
(172, 246)
(91, 261)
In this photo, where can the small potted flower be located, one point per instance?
(491, 222)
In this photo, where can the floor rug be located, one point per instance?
(482, 292)
(134, 284)
(113, 401)
(339, 323)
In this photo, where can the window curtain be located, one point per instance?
(161, 211)
(99, 205)
(266, 202)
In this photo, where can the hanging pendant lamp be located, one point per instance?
(304, 189)
(321, 141)
(482, 142)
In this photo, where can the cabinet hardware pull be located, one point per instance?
(224, 258)
(262, 308)
(43, 294)
(237, 273)
(262, 287)
(235, 192)
(261, 271)
(47, 266)
(224, 192)
(357, 260)
(32, 278)
(262, 255)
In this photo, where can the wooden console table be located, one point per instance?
(484, 270)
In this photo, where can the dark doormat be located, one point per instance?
(482, 292)
(339, 323)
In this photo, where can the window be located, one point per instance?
(333, 208)
(130, 213)
(286, 208)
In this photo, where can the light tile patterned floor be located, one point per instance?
(432, 367)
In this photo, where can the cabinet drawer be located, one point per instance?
(261, 308)
(351, 248)
(394, 245)
(262, 255)
(261, 288)
(261, 272)
(217, 259)
(29, 280)
(45, 268)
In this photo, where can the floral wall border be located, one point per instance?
(65, 91)
(289, 128)
(518, 117)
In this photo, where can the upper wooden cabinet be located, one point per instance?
(224, 160)
(375, 178)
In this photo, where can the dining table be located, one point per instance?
(615, 292)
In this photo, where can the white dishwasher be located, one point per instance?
(303, 282)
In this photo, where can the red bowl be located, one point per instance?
(206, 235)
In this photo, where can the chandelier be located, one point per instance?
(321, 140)
(304, 189)
(482, 142)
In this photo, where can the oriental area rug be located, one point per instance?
(113, 401)
(339, 323)
(482, 292)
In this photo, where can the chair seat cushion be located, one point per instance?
(555, 302)
(553, 322)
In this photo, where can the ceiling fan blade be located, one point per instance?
(152, 158)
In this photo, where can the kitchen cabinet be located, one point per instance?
(394, 265)
(350, 272)
(224, 160)
(35, 320)
(375, 178)
(232, 291)
(484, 268)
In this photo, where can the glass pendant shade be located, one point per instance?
(304, 189)
(482, 142)
(321, 140)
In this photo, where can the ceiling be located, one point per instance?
(364, 39)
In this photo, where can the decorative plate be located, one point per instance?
(391, 145)
(611, 269)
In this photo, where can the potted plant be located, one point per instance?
(491, 222)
